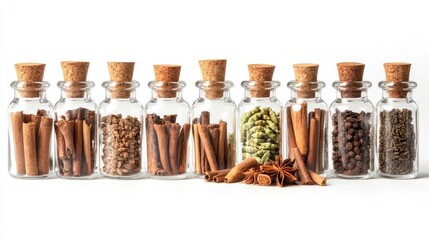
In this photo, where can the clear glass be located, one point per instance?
(120, 118)
(215, 103)
(397, 128)
(30, 123)
(167, 131)
(352, 131)
(259, 122)
(316, 111)
(75, 116)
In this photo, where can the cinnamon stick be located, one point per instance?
(230, 154)
(77, 161)
(30, 148)
(61, 148)
(17, 120)
(313, 145)
(153, 150)
(237, 173)
(299, 123)
(302, 169)
(161, 133)
(219, 178)
(67, 130)
(204, 120)
(264, 179)
(290, 132)
(204, 132)
(184, 138)
(87, 147)
(197, 148)
(209, 175)
(214, 135)
(319, 114)
(223, 149)
(173, 130)
(43, 144)
(319, 180)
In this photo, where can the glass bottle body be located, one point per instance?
(352, 130)
(309, 106)
(76, 119)
(259, 123)
(30, 131)
(397, 128)
(167, 131)
(213, 114)
(120, 118)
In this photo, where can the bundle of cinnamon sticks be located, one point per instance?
(31, 139)
(309, 132)
(75, 133)
(167, 143)
(213, 149)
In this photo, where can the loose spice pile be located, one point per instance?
(213, 148)
(167, 143)
(32, 138)
(274, 172)
(76, 146)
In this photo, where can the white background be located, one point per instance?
(182, 32)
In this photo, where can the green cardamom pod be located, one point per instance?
(256, 129)
(266, 157)
(259, 135)
(268, 146)
(260, 123)
(274, 117)
(255, 117)
(249, 149)
(273, 126)
(247, 125)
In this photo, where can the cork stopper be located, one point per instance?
(75, 72)
(397, 72)
(30, 72)
(122, 73)
(167, 73)
(351, 72)
(306, 73)
(260, 73)
(213, 70)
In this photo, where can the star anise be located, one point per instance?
(251, 176)
(281, 171)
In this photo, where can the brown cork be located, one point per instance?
(167, 73)
(397, 72)
(260, 73)
(75, 72)
(306, 73)
(351, 72)
(30, 72)
(122, 73)
(213, 70)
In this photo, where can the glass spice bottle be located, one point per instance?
(352, 124)
(213, 125)
(259, 116)
(397, 124)
(75, 124)
(167, 125)
(121, 124)
(307, 114)
(30, 125)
